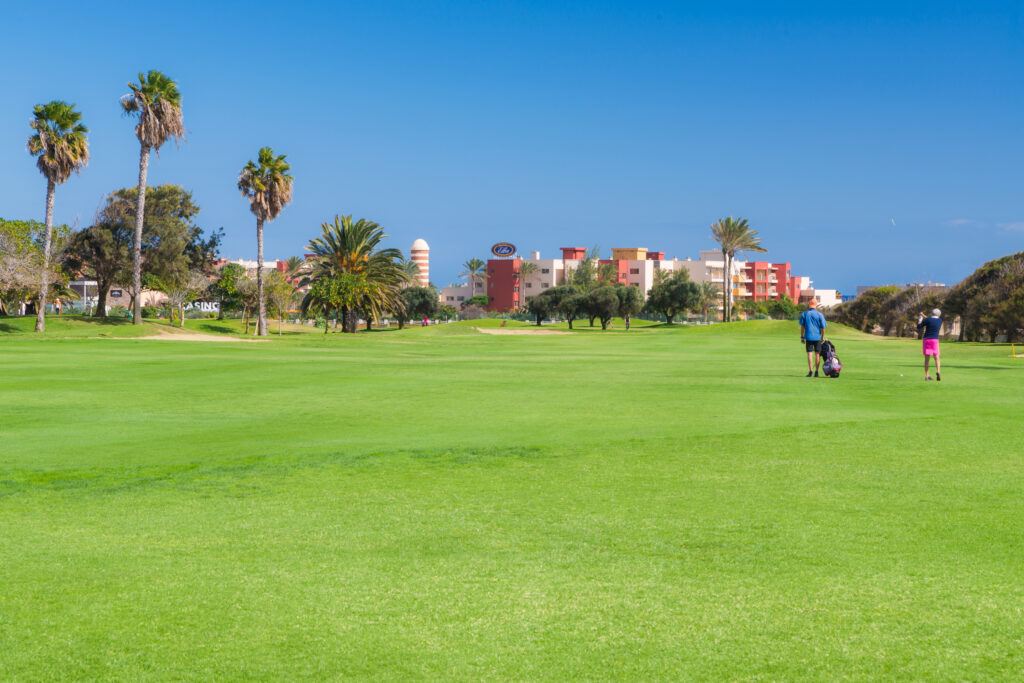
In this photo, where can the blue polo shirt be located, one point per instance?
(932, 327)
(813, 323)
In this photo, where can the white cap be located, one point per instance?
(420, 245)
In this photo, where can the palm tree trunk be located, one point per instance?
(140, 214)
(261, 321)
(44, 280)
(726, 288)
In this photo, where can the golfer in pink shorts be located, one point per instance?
(932, 326)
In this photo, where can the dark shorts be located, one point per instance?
(814, 346)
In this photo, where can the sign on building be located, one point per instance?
(503, 249)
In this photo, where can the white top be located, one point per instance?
(420, 245)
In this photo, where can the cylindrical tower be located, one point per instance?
(420, 255)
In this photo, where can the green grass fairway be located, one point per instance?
(667, 503)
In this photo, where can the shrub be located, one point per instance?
(150, 312)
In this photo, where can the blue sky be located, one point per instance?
(552, 124)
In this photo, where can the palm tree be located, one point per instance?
(347, 246)
(156, 101)
(61, 144)
(268, 187)
(411, 270)
(474, 271)
(733, 236)
(526, 268)
(707, 292)
(294, 265)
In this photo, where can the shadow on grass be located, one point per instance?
(217, 329)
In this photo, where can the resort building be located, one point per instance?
(506, 289)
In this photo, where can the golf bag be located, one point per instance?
(830, 365)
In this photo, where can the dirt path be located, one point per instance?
(517, 330)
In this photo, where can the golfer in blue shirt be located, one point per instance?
(812, 326)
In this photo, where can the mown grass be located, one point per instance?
(441, 503)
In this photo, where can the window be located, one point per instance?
(634, 271)
(490, 298)
(529, 285)
(491, 285)
(545, 271)
(514, 289)
(761, 288)
(544, 285)
(451, 298)
(461, 298)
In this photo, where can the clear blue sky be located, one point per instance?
(550, 124)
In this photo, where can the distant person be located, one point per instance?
(932, 326)
(812, 326)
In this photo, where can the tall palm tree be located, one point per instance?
(61, 145)
(156, 102)
(526, 269)
(474, 270)
(347, 246)
(734, 236)
(268, 187)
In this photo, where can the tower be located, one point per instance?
(420, 255)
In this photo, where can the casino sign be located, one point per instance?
(503, 249)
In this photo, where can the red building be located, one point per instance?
(502, 284)
(767, 281)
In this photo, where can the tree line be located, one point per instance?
(989, 304)
(60, 144)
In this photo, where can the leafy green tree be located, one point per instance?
(60, 144)
(542, 305)
(584, 277)
(447, 312)
(280, 296)
(608, 274)
(572, 305)
(631, 301)
(102, 252)
(335, 293)
(172, 243)
(420, 302)
(226, 288)
(21, 261)
(734, 236)
(783, 308)
(474, 270)
(479, 300)
(156, 101)
(268, 187)
(674, 295)
(602, 303)
(182, 290)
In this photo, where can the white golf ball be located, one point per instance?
(901, 374)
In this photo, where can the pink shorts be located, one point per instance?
(931, 347)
